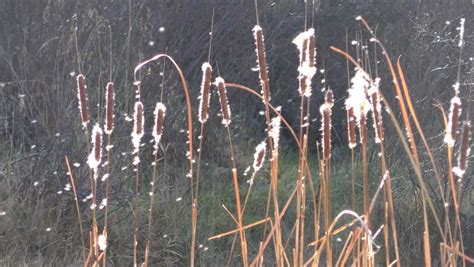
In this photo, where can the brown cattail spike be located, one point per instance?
(205, 92)
(376, 110)
(82, 96)
(326, 110)
(465, 150)
(139, 121)
(453, 123)
(95, 156)
(259, 156)
(312, 51)
(262, 63)
(221, 90)
(109, 108)
(160, 112)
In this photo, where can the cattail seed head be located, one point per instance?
(465, 150)
(326, 111)
(453, 122)
(205, 96)
(358, 101)
(221, 90)
(95, 157)
(306, 45)
(109, 108)
(274, 134)
(312, 51)
(259, 156)
(351, 125)
(139, 121)
(376, 110)
(160, 112)
(262, 62)
(83, 101)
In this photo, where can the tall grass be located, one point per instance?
(365, 235)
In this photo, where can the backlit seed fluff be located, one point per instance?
(139, 121)
(95, 156)
(274, 134)
(102, 242)
(160, 112)
(259, 156)
(358, 101)
(221, 90)
(262, 62)
(305, 43)
(82, 97)
(205, 95)
(453, 121)
(109, 108)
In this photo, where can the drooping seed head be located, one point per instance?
(376, 110)
(83, 101)
(262, 62)
(139, 121)
(205, 96)
(160, 112)
(221, 90)
(95, 157)
(109, 108)
(453, 122)
(259, 156)
(326, 110)
(465, 150)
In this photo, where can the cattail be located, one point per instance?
(259, 156)
(94, 158)
(262, 63)
(109, 108)
(160, 111)
(465, 150)
(312, 51)
(274, 134)
(453, 122)
(351, 125)
(376, 110)
(221, 90)
(363, 129)
(326, 110)
(83, 102)
(205, 96)
(358, 101)
(461, 32)
(139, 121)
(306, 43)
